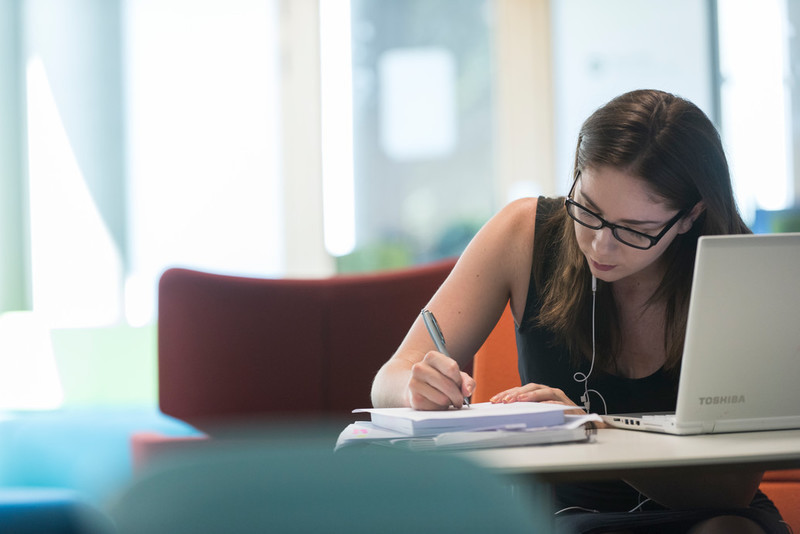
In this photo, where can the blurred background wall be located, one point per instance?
(308, 137)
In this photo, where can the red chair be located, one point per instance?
(234, 348)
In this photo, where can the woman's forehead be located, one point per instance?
(612, 188)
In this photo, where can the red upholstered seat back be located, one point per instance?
(233, 348)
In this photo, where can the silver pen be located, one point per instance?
(436, 335)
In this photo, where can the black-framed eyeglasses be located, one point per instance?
(586, 217)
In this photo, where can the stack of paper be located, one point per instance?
(478, 426)
(482, 416)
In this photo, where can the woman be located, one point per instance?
(650, 177)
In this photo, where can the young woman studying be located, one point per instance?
(598, 284)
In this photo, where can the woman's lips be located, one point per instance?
(601, 266)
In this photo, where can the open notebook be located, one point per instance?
(741, 359)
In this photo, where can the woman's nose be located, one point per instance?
(603, 240)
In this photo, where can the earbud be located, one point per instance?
(594, 283)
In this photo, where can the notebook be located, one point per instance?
(574, 428)
(741, 359)
(479, 416)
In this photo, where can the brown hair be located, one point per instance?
(672, 146)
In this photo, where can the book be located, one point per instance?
(576, 428)
(514, 438)
(480, 416)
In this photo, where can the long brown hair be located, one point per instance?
(672, 146)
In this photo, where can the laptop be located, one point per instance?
(741, 358)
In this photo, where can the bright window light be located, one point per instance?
(203, 139)
(76, 267)
(337, 127)
(28, 373)
(755, 101)
(418, 103)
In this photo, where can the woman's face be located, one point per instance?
(622, 199)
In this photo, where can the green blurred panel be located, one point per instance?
(789, 222)
(107, 366)
(375, 257)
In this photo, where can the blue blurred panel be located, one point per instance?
(777, 221)
(86, 450)
(50, 511)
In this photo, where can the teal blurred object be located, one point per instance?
(266, 488)
(50, 511)
(86, 450)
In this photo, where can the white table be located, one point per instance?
(616, 453)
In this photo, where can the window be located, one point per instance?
(152, 142)
(756, 102)
(203, 133)
(422, 129)
(734, 59)
(602, 49)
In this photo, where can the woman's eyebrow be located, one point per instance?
(623, 221)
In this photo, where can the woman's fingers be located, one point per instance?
(423, 396)
(467, 384)
(544, 394)
(513, 394)
(437, 382)
(534, 393)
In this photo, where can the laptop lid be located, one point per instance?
(741, 361)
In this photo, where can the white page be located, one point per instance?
(481, 416)
(473, 410)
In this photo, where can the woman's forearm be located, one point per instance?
(390, 384)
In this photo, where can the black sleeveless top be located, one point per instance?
(544, 361)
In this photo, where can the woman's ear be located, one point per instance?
(688, 220)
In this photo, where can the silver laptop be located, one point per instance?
(741, 359)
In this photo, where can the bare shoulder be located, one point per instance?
(521, 225)
(501, 244)
(493, 268)
(515, 224)
(521, 213)
(501, 253)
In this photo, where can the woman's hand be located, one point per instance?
(437, 383)
(536, 393)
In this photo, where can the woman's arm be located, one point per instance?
(494, 267)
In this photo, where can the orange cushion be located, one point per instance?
(783, 487)
(495, 366)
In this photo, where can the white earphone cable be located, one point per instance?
(580, 377)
